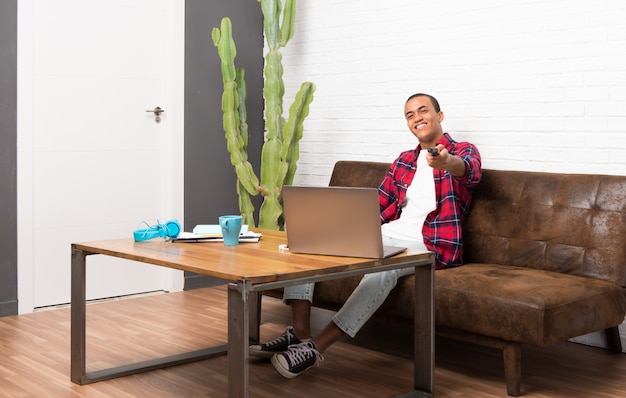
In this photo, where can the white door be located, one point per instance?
(92, 162)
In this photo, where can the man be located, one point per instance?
(424, 199)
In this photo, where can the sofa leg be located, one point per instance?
(613, 341)
(513, 368)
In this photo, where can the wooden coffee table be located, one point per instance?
(248, 268)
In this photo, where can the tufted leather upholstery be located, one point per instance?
(572, 224)
(545, 261)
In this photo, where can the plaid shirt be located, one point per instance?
(442, 230)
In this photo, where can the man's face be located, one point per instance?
(423, 121)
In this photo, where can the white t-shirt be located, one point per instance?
(419, 201)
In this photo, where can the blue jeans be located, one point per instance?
(366, 298)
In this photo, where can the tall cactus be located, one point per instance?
(281, 147)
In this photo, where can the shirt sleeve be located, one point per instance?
(471, 157)
(387, 197)
(392, 190)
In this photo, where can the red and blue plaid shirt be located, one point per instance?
(442, 230)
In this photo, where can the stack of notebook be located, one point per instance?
(213, 233)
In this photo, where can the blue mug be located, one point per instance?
(231, 227)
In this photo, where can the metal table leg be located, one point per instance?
(238, 335)
(423, 344)
(78, 308)
(78, 337)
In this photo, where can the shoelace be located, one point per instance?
(285, 336)
(299, 353)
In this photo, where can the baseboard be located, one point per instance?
(8, 308)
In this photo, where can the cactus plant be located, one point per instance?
(280, 150)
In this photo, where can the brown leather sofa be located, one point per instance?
(545, 261)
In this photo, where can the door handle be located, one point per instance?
(157, 113)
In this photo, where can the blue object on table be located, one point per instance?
(170, 229)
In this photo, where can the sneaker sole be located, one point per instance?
(284, 372)
(258, 353)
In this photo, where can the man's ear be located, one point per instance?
(440, 116)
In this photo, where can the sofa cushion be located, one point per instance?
(517, 304)
(347, 173)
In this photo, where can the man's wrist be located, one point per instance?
(455, 166)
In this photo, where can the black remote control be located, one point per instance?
(433, 151)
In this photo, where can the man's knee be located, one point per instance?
(381, 279)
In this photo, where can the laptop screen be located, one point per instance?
(338, 221)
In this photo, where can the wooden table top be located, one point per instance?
(259, 262)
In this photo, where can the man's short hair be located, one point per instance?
(432, 99)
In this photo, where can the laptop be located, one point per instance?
(337, 221)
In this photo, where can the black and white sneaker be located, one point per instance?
(297, 359)
(279, 344)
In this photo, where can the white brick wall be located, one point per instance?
(535, 84)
